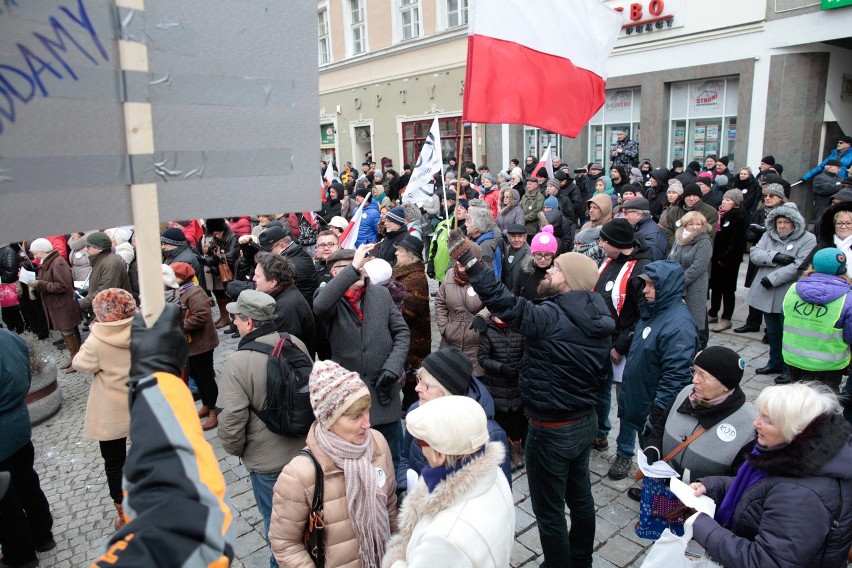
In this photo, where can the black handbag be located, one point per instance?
(314, 537)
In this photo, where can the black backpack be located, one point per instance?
(287, 411)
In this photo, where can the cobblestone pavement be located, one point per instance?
(72, 477)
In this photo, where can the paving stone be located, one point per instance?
(619, 551)
(520, 554)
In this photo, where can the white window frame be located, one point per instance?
(398, 27)
(323, 9)
(461, 9)
(350, 25)
(442, 10)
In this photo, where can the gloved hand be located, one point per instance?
(652, 454)
(782, 259)
(430, 269)
(509, 368)
(458, 247)
(160, 348)
(766, 282)
(757, 228)
(383, 383)
(479, 324)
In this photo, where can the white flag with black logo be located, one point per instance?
(420, 186)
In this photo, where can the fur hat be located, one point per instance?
(41, 245)
(113, 304)
(451, 367)
(333, 390)
(544, 241)
(451, 425)
(723, 363)
(216, 224)
(580, 271)
(173, 236)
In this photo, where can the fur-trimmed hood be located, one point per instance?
(823, 448)
(455, 488)
(825, 230)
(791, 212)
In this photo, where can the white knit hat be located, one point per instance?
(169, 278)
(451, 425)
(378, 270)
(41, 245)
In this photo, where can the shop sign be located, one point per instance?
(708, 95)
(327, 134)
(620, 100)
(831, 4)
(647, 16)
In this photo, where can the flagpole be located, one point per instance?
(459, 165)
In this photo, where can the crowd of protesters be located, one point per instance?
(551, 291)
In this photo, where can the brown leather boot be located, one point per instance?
(72, 342)
(120, 520)
(212, 421)
(204, 411)
(224, 319)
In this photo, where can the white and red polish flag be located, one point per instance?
(553, 51)
(349, 236)
(546, 162)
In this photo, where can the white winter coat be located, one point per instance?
(467, 521)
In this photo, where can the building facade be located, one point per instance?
(686, 79)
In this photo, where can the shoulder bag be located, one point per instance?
(314, 537)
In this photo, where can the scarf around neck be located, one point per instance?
(367, 505)
(353, 297)
(747, 476)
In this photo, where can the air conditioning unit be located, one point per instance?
(362, 134)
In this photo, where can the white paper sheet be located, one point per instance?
(618, 370)
(686, 494)
(658, 469)
(25, 276)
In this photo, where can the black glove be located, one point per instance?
(430, 269)
(652, 454)
(766, 282)
(757, 228)
(479, 324)
(160, 348)
(383, 383)
(782, 259)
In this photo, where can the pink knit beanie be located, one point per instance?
(544, 241)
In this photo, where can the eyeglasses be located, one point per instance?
(325, 245)
(843, 224)
(542, 255)
(700, 375)
(421, 381)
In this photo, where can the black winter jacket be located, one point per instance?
(500, 352)
(9, 265)
(799, 515)
(568, 343)
(306, 273)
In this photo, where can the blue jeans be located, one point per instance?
(261, 486)
(393, 435)
(774, 331)
(625, 442)
(603, 406)
(558, 471)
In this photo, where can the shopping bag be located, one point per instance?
(673, 551)
(656, 502)
(8, 295)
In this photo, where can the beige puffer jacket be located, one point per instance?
(455, 308)
(291, 499)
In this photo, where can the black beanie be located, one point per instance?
(691, 189)
(768, 160)
(618, 233)
(173, 236)
(452, 369)
(723, 363)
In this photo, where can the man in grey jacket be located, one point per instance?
(367, 335)
(242, 387)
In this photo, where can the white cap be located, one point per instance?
(378, 270)
(41, 245)
(339, 222)
(451, 425)
(169, 279)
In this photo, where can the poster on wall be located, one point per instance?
(698, 152)
(698, 133)
(679, 134)
(712, 133)
(732, 131)
(678, 152)
(711, 148)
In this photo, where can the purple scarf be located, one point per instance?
(435, 475)
(747, 476)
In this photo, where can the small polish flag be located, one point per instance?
(546, 162)
(349, 236)
(556, 53)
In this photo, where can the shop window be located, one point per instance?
(414, 134)
(703, 120)
(620, 112)
(537, 139)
